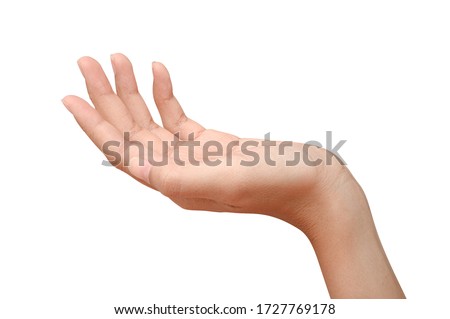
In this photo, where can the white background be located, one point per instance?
(77, 238)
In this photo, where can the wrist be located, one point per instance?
(344, 237)
(333, 202)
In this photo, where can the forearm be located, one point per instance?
(354, 264)
(350, 253)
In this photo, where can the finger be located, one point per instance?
(92, 123)
(108, 104)
(172, 114)
(127, 90)
(107, 138)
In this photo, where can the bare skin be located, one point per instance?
(323, 201)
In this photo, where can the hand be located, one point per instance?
(215, 171)
(200, 183)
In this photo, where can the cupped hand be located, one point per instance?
(218, 172)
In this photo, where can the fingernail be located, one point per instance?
(65, 104)
(79, 66)
(79, 61)
(154, 63)
(112, 63)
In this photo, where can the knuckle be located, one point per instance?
(181, 120)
